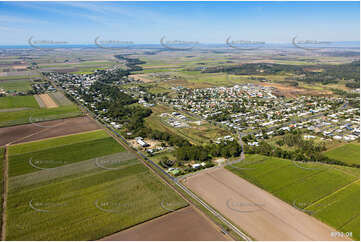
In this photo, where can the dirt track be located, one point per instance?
(257, 212)
(185, 224)
(48, 129)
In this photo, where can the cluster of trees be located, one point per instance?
(306, 151)
(112, 76)
(205, 153)
(306, 146)
(255, 69)
(131, 63)
(334, 73)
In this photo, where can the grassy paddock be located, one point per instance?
(18, 102)
(349, 153)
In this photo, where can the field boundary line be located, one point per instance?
(348, 221)
(330, 194)
(4, 194)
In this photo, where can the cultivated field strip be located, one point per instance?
(62, 155)
(40, 101)
(33, 113)
(327, 192)
(60, 99)
(105, 162)
(47, 101)
(102, 190)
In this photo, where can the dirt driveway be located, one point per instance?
(257, 212)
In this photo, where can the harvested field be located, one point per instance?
(185, 224)
(60, 99)
(257, 212)
(47, 101)
(48, 129)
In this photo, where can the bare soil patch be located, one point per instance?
(48, 102)
(183, 225)
(291, 91)
(31, 132)
(257, 212)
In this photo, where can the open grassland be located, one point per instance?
(310, 187)
(18, 102)
(16, 85)
(54, 154)
(349, 153)
(88, 205)
(15, 117)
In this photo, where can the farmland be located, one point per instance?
(43, 130)
(348, 153)
(36, 115)
(312, 188)
(15, 85)
(80, 200)
(16, 110)
(18, 102)
(60, 152)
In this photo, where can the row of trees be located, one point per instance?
(204, 153)
(297, 155)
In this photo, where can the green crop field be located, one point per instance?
(53, 154)
(57, 142)
(312, 187)
(80, 200)
(349, 153)
(328, 209)
(15, 117)
(16, 85)
(18, 102)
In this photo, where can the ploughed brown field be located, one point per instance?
(185, 224)
(42, 130)
(257, 212)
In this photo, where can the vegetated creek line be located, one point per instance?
(4, 194)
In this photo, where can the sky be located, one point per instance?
(204, 22)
